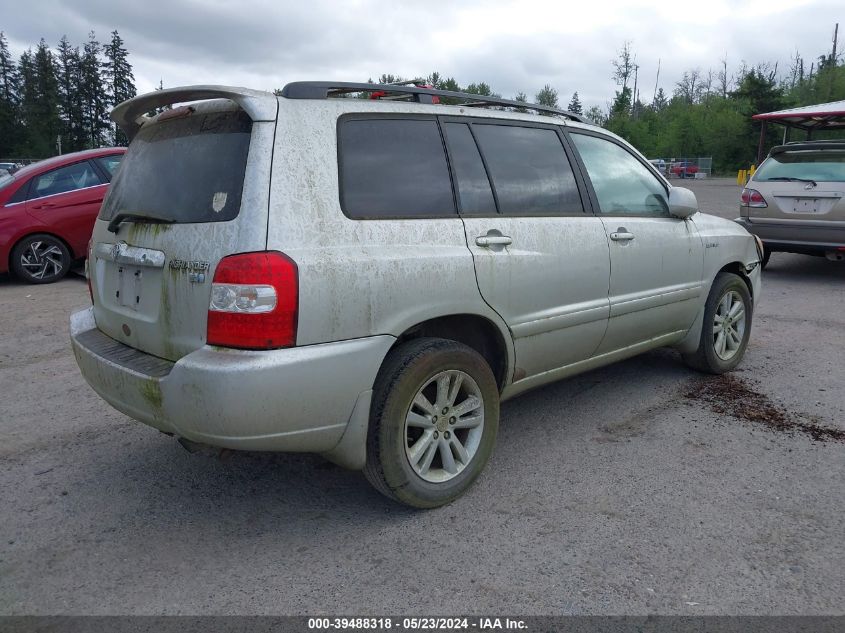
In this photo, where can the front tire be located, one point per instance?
(40, 259)
(433, 422)
(726, 327)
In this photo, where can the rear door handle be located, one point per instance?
(493, 240)
(621, 236)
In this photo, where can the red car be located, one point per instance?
(684, 169)
(47, 212)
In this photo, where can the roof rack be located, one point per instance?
(419, 94)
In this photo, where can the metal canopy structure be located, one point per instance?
(822, 116)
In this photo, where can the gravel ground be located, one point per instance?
(639, 488)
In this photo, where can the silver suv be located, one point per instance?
(795, 202)
(368, 279)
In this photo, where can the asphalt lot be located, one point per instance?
(635, 489)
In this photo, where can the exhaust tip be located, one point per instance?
(835, 256)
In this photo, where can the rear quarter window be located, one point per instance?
(188, 169)
(393, 168)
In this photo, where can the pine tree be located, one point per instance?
(522, 98)
(660, 101)
(575, 105)
(40, 102)
(94, 98)
(120, 82)
(547, 97)
(9, 100)
(69, 65)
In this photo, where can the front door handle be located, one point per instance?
(493, 240)
(621, 235)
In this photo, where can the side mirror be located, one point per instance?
(682, 202)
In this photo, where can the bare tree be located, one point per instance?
(689, 87)
(723, 78)
(624, 65)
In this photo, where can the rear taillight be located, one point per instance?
(254, 301)
(752, 198)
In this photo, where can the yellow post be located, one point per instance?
(752, 170)
(740, 177)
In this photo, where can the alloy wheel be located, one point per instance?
(444, 425)
(729, 325)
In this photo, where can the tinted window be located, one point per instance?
(109, 164)
(20, 194)
(64, 179)
(188, 169)
(826, 166)
(621, 182)
(474, 193)
(529, 169)
(393, 168)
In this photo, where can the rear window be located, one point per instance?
(393, 168)
(529, 169)
(188, 169)
(824, 166)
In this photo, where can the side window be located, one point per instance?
(473, 186)
(20, 194)
(393, 168)
(529, 169)
(623, 185)
(64, 179)
(109, 164)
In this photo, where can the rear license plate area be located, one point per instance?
(805, 205)
(129, 286)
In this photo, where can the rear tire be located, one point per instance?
(726, 326)
(40, 259)
(433, 422)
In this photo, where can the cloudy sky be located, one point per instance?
(513, 46)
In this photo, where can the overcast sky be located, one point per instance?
(513, 46)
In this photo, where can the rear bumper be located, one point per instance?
(797, 236)
(297, 399)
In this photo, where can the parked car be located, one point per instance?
(47, 212)
(10, 167)
(684, 169)
(659, 164)
(795, 201)
(348, 277)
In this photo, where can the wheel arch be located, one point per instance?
(473, 330)
(690, 342)
(737, 268)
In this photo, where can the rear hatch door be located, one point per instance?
(805, 185)
(192, 188)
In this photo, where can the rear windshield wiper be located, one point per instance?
(118, 219)
(792, 179)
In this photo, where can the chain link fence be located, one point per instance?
(684, 167)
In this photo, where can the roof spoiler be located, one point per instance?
(129, 115)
